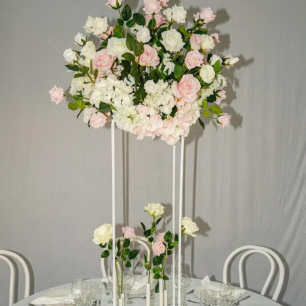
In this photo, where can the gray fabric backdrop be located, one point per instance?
(244, 185)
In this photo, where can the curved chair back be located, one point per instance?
(272, 257)
(7, 256)
(138, 239)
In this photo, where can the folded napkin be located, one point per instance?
(46, 300)
(207, 284)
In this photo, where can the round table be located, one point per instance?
(254, 300)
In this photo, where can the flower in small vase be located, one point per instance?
(128, 232)
(189, 227)
(158, 248)
(56, 94)
(103, 234)
(155, 209)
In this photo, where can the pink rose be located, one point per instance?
(195, 41)
(215, 37)
(160, 237)
(56, 94)
(151, 6)
(113, 3)
(187, 89)
(206, 14)
(163, 3)
(158, 18)
(108, 32)
(224, 120)
(128, 232)
(158, 248)
(194, 59)
(222, 96)
(103, 60)
(149, 57)
(98, 120)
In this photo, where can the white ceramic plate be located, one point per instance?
(197, 291)
(58, 293)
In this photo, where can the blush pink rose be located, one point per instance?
(108, 32)
(163, 3)
(56, 94)
(152, 6)
(128, 232)
(149, 57)
(224, 120)
(206, 14)
(113, 3)
(158, 248)
(103, 60)
(187, 89)
(194, 59)
(222, 95)
(160, 237)
(98, 120)
(215, 37)
(195, 41)
(158, 18)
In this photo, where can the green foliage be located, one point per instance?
(118, 31)
(201, 31)
(156, 276)
(126, 12)
(152, 24)
(211, 98)
(204, 103)
(73, 105)
(215, 109)
(104, 108)
(133, 254)
(217, 66)
(140, 19)
(129, 57)
(168, 237)
(177, 71)
(165, 277)
(127, 251)
(131, 23)
(158, 220)
(201, 123)
(120, 21)
(147, 233)
(157, 288)
(157, 270)
(126, 243)
(206, 113)
(131, 42)
(128, 264)
(105, 254)
(73, 67)
(118, 244)
(143, 226)
(157, 260)
(103, 245)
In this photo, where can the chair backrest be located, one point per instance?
(138, 239)
(7, 256)
(272, 257)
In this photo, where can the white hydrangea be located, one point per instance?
(123, 117)
(76, 86)
(96, 26)
(169, 65)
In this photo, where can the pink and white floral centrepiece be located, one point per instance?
(150, 74)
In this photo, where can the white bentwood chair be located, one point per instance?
(7, 256)
(138, 239)
(271, 255)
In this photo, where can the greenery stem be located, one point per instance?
(117, 277)
(150, 260)
(92, 81)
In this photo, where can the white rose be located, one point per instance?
(172, 40)
(214, 59)
(207, 73)
(87, 113)
(103, 234)
(89, 50)
(207, 42)
(179, 14)
(169, 65)
(230, 60)
(96, 26)
(135, 28)
(189, 227)
(154, 209)
(117, 47)
(168, 13)
(150, 87)
(78, 39)
(70, 56)
(143, 35)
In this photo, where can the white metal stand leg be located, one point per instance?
(173, 224)
(113, 212)
(180, 221)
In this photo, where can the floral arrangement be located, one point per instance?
(161, 245)
(150, 74)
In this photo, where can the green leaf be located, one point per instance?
(117, 32)
(177, 71)
(153, 229)
(173, 112)
(133, 254)
(206, 113)
(130, 42)
(79, 75)
(157, 260)
(123, 257)
(130, 23)
(181, 29)
(151, 239)
(201, 31)
(147, 233)
(140, 19)
(73, 67)
(152, 24)
(158, 220)
(143, 226)
(174, 243)
(118, 244)
(73, 105)
(169, 252)
(201, 123)
(211, 98)
(204, 103)
(127, 251)
(120, 21)
(215, 109)
(176, 238)
(104, 108)
(128, 264)
(165, 277)
(126, 243)
(156, 276)
(81, 104)
(129, 57)
(187, 46)
(102, 245)
(157, 270)
(145, 258)
(105, 254)
(168, 237)
(217, 66)
(157, 288)
(147, 266)
(110, 244)
(209, 57)
(126, 12)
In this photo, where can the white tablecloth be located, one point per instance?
(254, 300)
